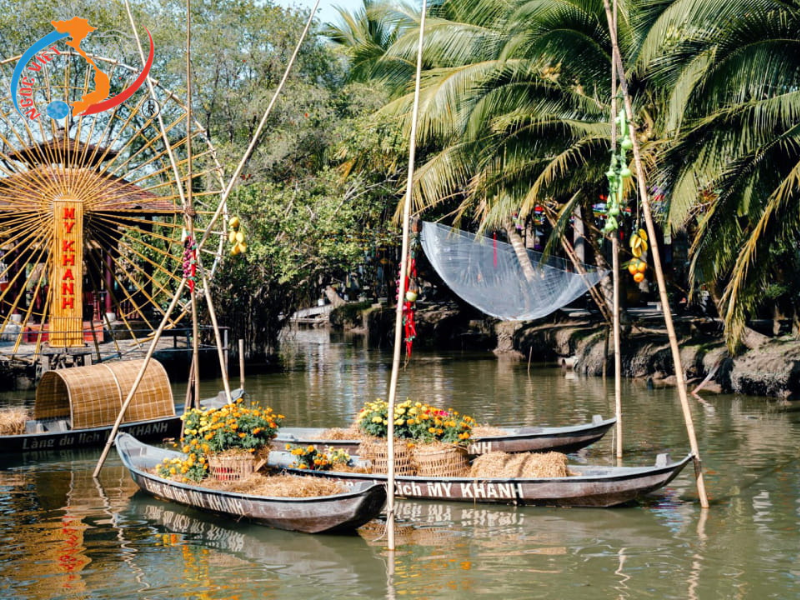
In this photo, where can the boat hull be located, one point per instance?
(154, 430)
(519, 439)
(591, 487)
(323, 514)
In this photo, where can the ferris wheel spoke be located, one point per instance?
(129, 247)
(115, 301)
(13, 284)
(145, 227)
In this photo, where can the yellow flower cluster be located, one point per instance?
(232, 426)
(415, 420)
(309, 458)
(192, 468)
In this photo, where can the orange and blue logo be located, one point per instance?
(35, 58)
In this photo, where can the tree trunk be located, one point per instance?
(519, 249)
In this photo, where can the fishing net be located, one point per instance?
(487, 274)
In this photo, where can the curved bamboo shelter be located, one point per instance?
(92, 396)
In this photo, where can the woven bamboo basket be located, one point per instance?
(231, 467)
(377, 451)
(92, 396)
(441, 460)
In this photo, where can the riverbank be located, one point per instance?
(771, 367)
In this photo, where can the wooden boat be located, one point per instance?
(77, 407)
(593, 486)
(340, 512)
(517, 439)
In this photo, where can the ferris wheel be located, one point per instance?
(92, 219)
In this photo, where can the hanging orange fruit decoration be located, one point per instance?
(236, 236)
(638, 266)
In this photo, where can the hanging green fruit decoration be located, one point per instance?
(236, 236)
(617, 173)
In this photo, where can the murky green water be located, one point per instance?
(62, 535)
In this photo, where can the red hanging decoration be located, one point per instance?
(410, 307)
(190, 263)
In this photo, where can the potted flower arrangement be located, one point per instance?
(231, 437)
(310, 458)
(436, 435)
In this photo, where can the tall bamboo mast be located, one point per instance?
(662, 287)
(615, 265)
(189, 207)
(401, 287)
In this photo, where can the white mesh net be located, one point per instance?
(487, 274)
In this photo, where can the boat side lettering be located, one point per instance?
(488, 490)
(479, 448)
(34, 444)
(209, 501)
(150, 428)
(407, 489)
(440, 489)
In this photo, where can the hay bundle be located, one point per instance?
(481, 431)
(527, 465)
(280, 486)
(337, 433)
(12, 421)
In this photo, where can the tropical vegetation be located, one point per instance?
(515, 110)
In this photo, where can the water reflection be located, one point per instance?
(64, 536)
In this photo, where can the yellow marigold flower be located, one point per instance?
(172, 471)
(431, 430)
(398, 421)
(185, 449)
(385, 421)
(376, 419)
(410, 422)
(288, 446)
(242, 435)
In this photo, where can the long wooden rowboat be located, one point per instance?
(56, 435)
(517, 439)
(319, 514)
(77, 407)
(593, 486)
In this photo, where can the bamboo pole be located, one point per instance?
(615, 266)
(189, 206)
(112, 436)
(241, 363)
(662, 287)
(401, 286)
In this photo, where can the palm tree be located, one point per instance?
(732, 170)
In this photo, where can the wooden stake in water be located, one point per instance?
(662, 285)
(241, 364)
(401, 287)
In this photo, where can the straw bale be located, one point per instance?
(481, 431)
(338, 433)
(12, 421)
(527, 465)
(281, 486)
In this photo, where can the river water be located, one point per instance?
(64, 535)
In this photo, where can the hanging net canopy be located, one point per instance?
(487, 274)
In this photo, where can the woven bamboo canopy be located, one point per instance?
(92, 396)
(62, 149)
